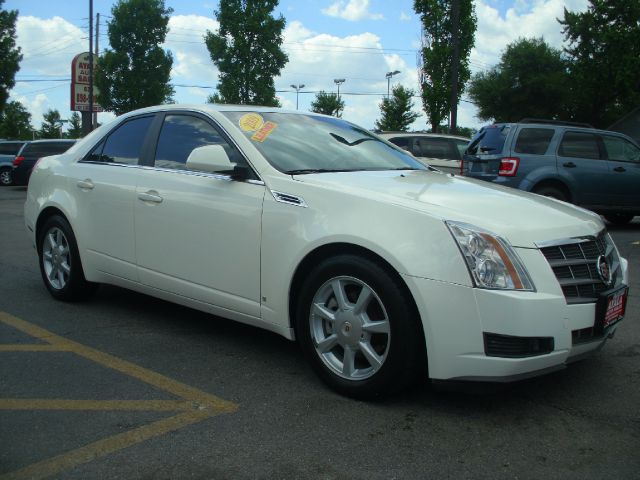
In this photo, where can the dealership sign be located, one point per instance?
(80, 84)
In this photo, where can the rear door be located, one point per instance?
(581, 161)
(104, 183)
(623, 158)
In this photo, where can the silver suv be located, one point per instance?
(596, 169)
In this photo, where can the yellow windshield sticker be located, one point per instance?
(264, 132)
(250, 122)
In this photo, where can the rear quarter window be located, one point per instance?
(534, 141)
(489, 140)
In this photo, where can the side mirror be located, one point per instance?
(210, 158)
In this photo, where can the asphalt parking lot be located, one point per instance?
(126, 386)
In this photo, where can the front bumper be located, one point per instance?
(456, 318)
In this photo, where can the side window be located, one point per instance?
(534, 141)
(436, 148)
(461, 145)
(402, 142)
(181, 134)
(124, 144)
(579, 145)
(620, 149)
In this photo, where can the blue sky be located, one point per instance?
(358, 40)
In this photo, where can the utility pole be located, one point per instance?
(91, 62)
(96, 52)
(388, 77)
(455, 61)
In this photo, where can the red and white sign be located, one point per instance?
(80, 84)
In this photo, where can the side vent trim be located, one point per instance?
(289, 199)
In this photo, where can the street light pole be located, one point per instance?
(338, 82)
(297, 88)
(388, 77)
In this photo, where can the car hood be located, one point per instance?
(524, 219)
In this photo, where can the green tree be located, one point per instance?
(52, 125)
(328, 104)
(135, 73)
(604, 49)
(396, 111)
(10, 55)
(15, 122)
(437, 54)
(247, 51)
(530, 81)
(75, 126)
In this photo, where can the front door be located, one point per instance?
(197, 233)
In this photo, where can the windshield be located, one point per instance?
(298, 144)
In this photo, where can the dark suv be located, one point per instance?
(8, 151)
(596, 169)
(31, 152)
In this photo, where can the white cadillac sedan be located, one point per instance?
(382, 268)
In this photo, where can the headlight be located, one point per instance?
(491, 260)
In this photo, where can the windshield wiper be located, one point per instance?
(351, 144)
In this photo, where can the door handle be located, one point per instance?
(569, 165)
(619, 169)
(150, 196)
(85, 184)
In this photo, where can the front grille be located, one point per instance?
(574, 265)
(496, 345)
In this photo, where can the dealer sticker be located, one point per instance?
(264, 132)
(250, 122)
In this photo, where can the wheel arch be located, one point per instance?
(554, 183)
(323, 252)
(46, 214)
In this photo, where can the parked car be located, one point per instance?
(443, 152)
(316, 229)
(8, 151)
(29, 154)
(596, 169)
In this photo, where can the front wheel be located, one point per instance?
(359, 328)
(60, 264)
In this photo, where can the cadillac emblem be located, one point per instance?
(604, 271)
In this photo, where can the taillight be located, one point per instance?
(462, 167)
(508, 166)
(17, 161)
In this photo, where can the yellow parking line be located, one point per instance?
(56, 465)
(104, 405)
(194, 404)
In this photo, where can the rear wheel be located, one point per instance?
(358, 328)
(552, 192)
(619, 218)
(6, 177)
(60, 264)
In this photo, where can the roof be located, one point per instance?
(420, 134)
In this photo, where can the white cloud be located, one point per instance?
(316, 59)
(404, 17)
(49, 45)
(191, 59)
(525, 19)
(353, 10)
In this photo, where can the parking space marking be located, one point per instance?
(193, 405)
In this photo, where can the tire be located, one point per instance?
(359, 329)
(552, 192)
(60, 264)
(619, 218)
(6, 177)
